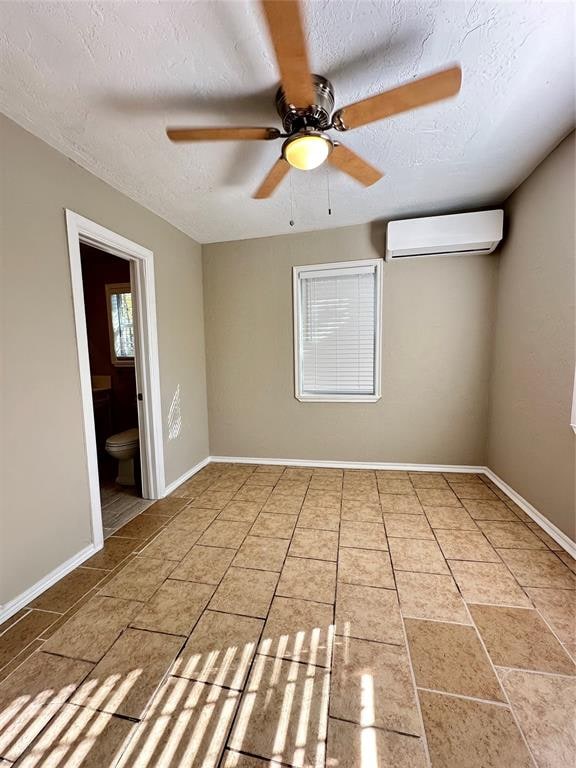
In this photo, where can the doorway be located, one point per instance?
(108, 307)
(119, 371)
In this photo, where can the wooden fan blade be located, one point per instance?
(426, 90)
(352, 164)
(284, 19)
(274, 177)
(222, 134)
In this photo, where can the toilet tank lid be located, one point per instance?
(123, 438)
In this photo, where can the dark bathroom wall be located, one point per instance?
(98, 269)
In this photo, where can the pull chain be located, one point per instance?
(291, 202)
(328, 191)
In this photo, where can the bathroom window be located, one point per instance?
(337, 331)
(120, 323)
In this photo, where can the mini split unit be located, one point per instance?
(455, 235)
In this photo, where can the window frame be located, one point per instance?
(305, 397)
(111, 290)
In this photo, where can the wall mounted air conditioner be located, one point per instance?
(455, 235)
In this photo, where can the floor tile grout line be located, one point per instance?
(454, 580)
(425, 744)
(333, 646)
(94, 568)
(504, 691)
(526, 671)
(279, 763)
(450, 561)
(540, 551)
(436, 621)
(50, 721)
(45, 610)
(38, 638)
(72, 605)
(553, 632)
(128, 718)
(442, 573)
(478, 699)
(34, 639)
(379, 728)
(11, 624)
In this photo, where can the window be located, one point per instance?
(337, 331)
(120, 323)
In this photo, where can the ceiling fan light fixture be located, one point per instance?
(306, 151)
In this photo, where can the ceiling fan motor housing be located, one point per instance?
(317, 116)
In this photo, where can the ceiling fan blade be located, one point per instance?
(274, 177)
(343, 158)
(417, 93)
(222, 134)
(284, 19)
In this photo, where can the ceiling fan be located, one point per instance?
(305, 102)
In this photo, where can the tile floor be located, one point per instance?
(303, 617)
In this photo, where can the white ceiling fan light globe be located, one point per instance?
(307, 151)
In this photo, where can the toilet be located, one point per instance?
(124, 447)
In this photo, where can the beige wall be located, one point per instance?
(45, 516)
(531, 445)
(437, 329)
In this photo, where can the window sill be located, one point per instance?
(338, 398)
(123, 363)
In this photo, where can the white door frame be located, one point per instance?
(147, 368)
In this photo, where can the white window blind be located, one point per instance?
(338, 333)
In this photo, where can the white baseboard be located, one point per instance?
(349, 464)
(9, 609)
(186, 476)
(12, 607)
(559, 536)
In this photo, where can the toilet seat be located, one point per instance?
(122, 439)
(123, 447)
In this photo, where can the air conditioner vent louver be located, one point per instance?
(453, 235)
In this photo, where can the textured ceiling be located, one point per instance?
(100, 81)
